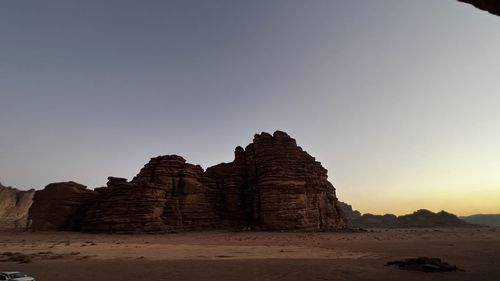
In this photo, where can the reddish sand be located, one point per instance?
(253, 256)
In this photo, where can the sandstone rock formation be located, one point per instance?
(492, 6)
(14, 206)
(424, 264)
(60, 206)
(167, 195)
(273, 185)
(125, 207)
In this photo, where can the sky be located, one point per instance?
(398, 99)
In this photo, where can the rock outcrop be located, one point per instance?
(60, 206)
(492, 6)
(424, 264)
(168, 194)
(274, 185)
(374, 221)
(14, 206)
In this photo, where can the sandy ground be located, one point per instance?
(241, 256)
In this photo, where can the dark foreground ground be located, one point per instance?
(242, 256)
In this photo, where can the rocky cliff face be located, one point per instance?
(125, 207)
(14, 206)
(492, 6)
(273, 184)
(168, 194)
(60, 206)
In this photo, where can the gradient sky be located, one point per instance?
(399, 99)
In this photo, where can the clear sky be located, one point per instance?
(399, 99)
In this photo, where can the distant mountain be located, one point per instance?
(426, 218)
(420, 218)
(14, 206)
(489, 219)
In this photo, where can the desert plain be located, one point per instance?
(251, 256)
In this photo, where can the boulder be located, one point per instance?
(424, 264)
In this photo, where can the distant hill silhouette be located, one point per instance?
(420, 218)
(14, 205)
(484, 219)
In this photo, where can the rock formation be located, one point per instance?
(426, 218)
(60, 206)
(14, 206)
(374, 221)
(349, 212)
(492, 6)
(420, 218)
(274, 185)
(168, 194)
(125, 207)
(424, 264)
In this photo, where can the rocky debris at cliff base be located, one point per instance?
(424, 264)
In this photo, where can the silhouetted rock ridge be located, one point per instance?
(492, 6)
(420, 218)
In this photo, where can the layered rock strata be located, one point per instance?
(274, 185)
(420, 218)
(60, 206)
(168, 194)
